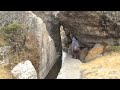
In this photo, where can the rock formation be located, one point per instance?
(43, 40)
(24, 70)
(95, 52)
(91, 27)
(53, 29)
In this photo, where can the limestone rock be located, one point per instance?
(62, 33)
(42, 38)
(52, 46)
(96, 51)
(83, 54)
(92, 27)
(24, 70)
(107, 49)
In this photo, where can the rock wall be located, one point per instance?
(53, 28)
(42, 36)
(91, 27)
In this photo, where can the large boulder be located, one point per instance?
(91, 27)
(24, 70)
(95, 52)
(54, 58)
(43, 40)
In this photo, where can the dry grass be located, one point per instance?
(2, 41)
(26, 51)
(106, 67)
(115, 48)
(15, 58)
(5, 73)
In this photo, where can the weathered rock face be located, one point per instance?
(91, 27)
(63, 39)
(83, 54)
(24, 70)
(53, 28)
(95, 52)
(42, 39)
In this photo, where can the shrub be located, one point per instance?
(115, 48)
(22, 49)
(14, 35)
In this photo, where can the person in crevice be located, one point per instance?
(75, 48)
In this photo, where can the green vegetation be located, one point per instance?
(13, 35)
(115, 48)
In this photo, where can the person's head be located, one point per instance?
(73, 38)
